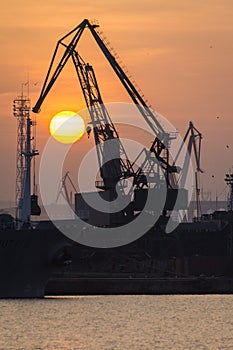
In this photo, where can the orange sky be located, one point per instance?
(180, 52)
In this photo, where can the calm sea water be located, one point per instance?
(118, 322)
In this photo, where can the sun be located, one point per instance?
(67, 127)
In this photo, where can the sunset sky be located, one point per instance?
(180, 52)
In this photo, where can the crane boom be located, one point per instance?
(145, 111)
(50, 79)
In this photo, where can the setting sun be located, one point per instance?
(67, 127)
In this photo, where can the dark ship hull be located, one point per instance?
(35, 262)
(195, 258)
(159, 253)
(28, 258)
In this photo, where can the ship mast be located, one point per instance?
(21, 110)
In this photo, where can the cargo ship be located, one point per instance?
(157, 262)
(43, 261)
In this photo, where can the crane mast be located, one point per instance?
(113, 161)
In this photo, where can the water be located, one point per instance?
(118, 322)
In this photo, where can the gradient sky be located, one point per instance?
(180, 52)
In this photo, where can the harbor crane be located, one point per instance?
(63, 189)
(194, 138)
(162, 139)
(120, 168)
